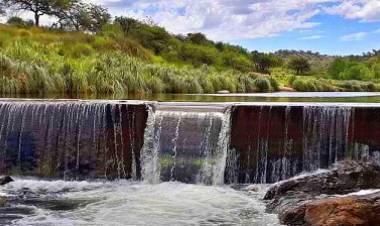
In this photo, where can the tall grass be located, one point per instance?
(38, 61)
(116, 73)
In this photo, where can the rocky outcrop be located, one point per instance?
(352, 210)
(345, 177)
(5, 180)
(312, 199)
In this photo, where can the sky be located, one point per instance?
(335, 27)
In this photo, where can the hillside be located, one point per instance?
(129, 56)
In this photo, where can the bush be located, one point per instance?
(300, 65)
(19, 22)
(303, 86)
(263, 84)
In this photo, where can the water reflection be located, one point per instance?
(359, 97)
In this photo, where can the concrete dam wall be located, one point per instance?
(187, 142)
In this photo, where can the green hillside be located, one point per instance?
(130, 56)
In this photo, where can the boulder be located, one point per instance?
(313, 199)
(353, 210)
(5, 180)
(343, 178)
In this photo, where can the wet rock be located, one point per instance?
(5, 180)
(252, 188)
(311, 199)
(345, 177)
(355, 210)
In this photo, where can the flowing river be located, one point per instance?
(38, 202)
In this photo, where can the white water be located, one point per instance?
(128, 203)
(186, 145)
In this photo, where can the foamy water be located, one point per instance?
(130, 203)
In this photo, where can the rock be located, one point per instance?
(223, 92)
(311, 199)
(252, 188)
(345, 177)
(287, 89)
(355, 210)
(5, 180)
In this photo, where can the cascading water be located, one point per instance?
(281, 141)
(69, 139)
(165, 144)
(325, 138)
(186, 145)
(206, 144)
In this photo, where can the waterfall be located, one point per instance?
(186, 145)
(208, 144)
(325, 136)
(69, 139)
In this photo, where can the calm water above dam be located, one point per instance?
(343, 97)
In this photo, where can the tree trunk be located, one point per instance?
(36, 19)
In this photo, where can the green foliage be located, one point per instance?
(130, 56)
(263, 84)
(19, 22)
(299, 64)
(198, 38)
(264, 62)
(345, 69)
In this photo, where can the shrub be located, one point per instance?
(19, 22)
(263, 84)
(300, 65)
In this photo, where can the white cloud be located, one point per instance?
(312, 37)
(354, 36)
(224, 19)
(364, 10)
(229, 20)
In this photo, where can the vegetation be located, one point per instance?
(300, 65)
(86, 51)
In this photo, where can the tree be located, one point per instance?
(127, 24)
(299, 64)
(198, 38)
(83, 16)
(74, 17)
(337, 67)
(98, 17)
(264, 62)
(39, 7)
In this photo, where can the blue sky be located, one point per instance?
(334, 35)
(337, 27)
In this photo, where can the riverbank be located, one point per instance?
(38, 61)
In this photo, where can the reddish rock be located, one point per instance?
(311, 200)
(355, 210)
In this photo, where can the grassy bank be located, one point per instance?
(40, 61)
(34, 60)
